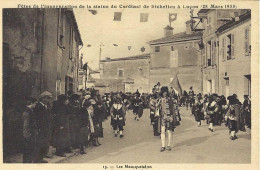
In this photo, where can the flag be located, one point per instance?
(129, 48)
(117, 16)
(172, 17)
(93, 12)
(143, 17)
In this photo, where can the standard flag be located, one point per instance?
(172, 17)
(143, 17)
(117, 16)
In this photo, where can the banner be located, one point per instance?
(117, 16)
(143, 17)
(172, 17)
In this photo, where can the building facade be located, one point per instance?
(212, 20)
(40, 52)
(235, 56)
(175, 60)
(42, 45)
(133, 73)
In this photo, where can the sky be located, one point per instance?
(100, 28)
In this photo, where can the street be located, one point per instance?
(191, 144)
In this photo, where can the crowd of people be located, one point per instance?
(217, 109)
(74, 120)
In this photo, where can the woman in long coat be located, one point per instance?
(61, 125)
(83, 126)
(98, 118)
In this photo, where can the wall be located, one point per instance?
(188, 64)
(137, 69)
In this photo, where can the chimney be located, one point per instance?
(168, 31)
(188, 27)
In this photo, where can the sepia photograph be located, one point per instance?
(128, 84)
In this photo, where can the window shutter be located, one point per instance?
(232, 46)
(246, 42)
(223, 49)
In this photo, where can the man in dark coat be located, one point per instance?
(29, 131)
(74, 107)
(247, 111)
(42, 113)
(61, 125)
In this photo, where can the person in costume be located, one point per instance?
(167, 116)
(231, 115)
(199, 113)
(191, 97)
(154, 114)
(212, 110)
(118, 116)
(137, 106)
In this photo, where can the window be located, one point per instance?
(71, 43)
(222, 48)
(172, 49)
(209, 53)
(174, 58)
(120, 73)
(157, 48)
(230, 46)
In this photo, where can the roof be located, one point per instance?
(233, 23)
(74, 22)
(179, 37)
(137, 57)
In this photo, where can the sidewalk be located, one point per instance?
(18, 158)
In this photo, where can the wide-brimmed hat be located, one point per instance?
(231, 99)
(92, 101)
(45, 94)
(246, 96)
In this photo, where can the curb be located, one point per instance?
(57, 159)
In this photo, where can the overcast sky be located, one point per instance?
(98, 28)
